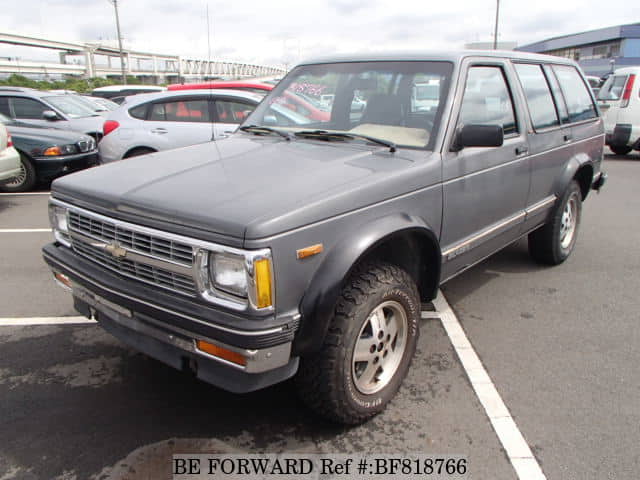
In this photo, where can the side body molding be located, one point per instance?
(320, 298)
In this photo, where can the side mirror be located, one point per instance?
(478, 136)
(50, 115)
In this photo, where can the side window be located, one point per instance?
(557, 94)
(539, 99)
(4, 107)
(28, 108)
(139, 112)
(576, 93)
(181, 111)
(487, 100)
(229, 111)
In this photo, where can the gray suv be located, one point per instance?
(305, 247)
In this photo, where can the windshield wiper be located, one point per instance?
(257, 129)
(325, 134)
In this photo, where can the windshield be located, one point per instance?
(398, 102)
(71, 107)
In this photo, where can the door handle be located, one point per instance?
(521, 150)
(568, 137)
(159, 130)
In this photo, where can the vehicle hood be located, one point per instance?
(248, 187)
(86, 124)
(41, 136)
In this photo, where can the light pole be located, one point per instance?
(124, 75)
(495, 31)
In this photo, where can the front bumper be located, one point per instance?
(52, 167)
(154, 323)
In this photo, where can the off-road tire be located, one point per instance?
(27, 175)
(325, 380)
(545, 243)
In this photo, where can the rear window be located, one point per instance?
(181, 111)
(576, 94)
(536, 90)
(613, 88)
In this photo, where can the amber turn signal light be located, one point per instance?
(220, 352)
(309, 251)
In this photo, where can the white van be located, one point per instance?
(619, 102)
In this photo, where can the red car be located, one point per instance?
(295, 102)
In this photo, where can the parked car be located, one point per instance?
(595, 83)
(105, 103)
(48, 109)
(153, 122)
(619, 101)
(46, 153)
(293, 100)
(9, 158)
(308, 249)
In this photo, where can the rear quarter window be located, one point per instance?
(613, 88)
(576, 93)
(139, 112)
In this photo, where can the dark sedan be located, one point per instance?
(47, 153)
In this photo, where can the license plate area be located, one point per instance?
(99, 303)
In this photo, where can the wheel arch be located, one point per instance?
(578, 169)
(400, 239)
(128, 153)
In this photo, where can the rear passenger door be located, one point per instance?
(549, 139)
(485, 188)
(179, 121)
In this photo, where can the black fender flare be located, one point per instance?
(573, 166)
(320, 297)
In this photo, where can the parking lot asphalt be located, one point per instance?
(559, 344)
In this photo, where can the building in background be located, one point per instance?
(598, 51)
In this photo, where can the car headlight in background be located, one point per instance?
(60, 150)
(236, 278)
(60, 224)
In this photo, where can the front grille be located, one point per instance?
(156, 276)
(138, 242)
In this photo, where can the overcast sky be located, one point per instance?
(281, 32)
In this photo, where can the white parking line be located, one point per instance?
(519, 453)
(20, 321)
(23, 194)
(24, 230)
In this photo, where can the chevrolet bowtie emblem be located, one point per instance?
(116, 250)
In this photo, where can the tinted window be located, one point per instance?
(4, 107)
(487, 100)
(181, 111)
(539, 99)
(613, 88)
(27, 108)
(139, 112)
(576, 94)
(229, 111)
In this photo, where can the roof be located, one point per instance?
(117, 88)
(221, 84)
(228, 92)
(454, 56)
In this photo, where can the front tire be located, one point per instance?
(553, 243)
(368, 348)
(25, 180)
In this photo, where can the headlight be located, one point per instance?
(228, 273)
(60, 224)
(60, 150)
(236, 278)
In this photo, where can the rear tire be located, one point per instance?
(620, 149)
(136, 152)
(25, 180)
(552, 243)
(368, 348)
